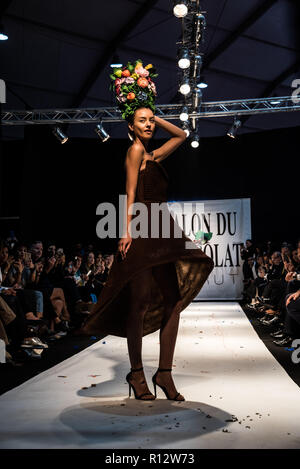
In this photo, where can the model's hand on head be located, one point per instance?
(178, 137)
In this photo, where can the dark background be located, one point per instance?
(55, 188)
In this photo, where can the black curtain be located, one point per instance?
(56, 188)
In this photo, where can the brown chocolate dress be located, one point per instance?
(192, 266)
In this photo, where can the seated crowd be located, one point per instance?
(272, 288)
(45, 293)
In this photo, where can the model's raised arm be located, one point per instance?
(178, 137)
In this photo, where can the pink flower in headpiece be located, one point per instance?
(152, 87)
(142, 72)
(121, 98)
(129, 80)
(119, 81)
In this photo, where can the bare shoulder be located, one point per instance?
(135, 155)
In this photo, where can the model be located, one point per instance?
(153, 278)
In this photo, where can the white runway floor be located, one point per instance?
(222, 368)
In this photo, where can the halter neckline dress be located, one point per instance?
(193, 266)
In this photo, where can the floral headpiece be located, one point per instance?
(133, 87)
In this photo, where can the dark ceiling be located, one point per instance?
(58, 55)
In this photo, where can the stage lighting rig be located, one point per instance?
(189, 55)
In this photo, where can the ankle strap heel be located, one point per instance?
(140, 396)
(177, 396)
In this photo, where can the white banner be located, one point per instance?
(219, 227)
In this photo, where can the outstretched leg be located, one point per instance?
(139, 295)
(166, 278)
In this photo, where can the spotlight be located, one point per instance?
(197, 67)
(195, 141)
(184, 58)
(180, 8)
(3, 36)
(196, 98)
(116, 62)
(116, 65)
(186, 128)
(184, 115)
(202, 85)
(233, 130)
(58, 133)
(101, 133)
(202, 20)
(185, 86)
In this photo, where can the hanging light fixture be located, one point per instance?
(116, 63)
(195, 140)
(3, 36)
(186, 128)
(184, 58)
(235, 127)
(58, 133)
(197, 66)
(185, 87)
(101, 132)
(184, 115)
(180, 9)
(196, 98)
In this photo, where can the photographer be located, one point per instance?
(72, 286)
(91, 273)
(21, 276)
(49, 282)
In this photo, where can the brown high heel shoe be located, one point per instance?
(140, 397)
(164, 388)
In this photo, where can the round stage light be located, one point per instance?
(185, 86)
(184, 114)
(180, 9)
(184, 58)
(186, 129)
(202, 85)
(195, 141)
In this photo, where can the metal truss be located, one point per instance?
(166, 111)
